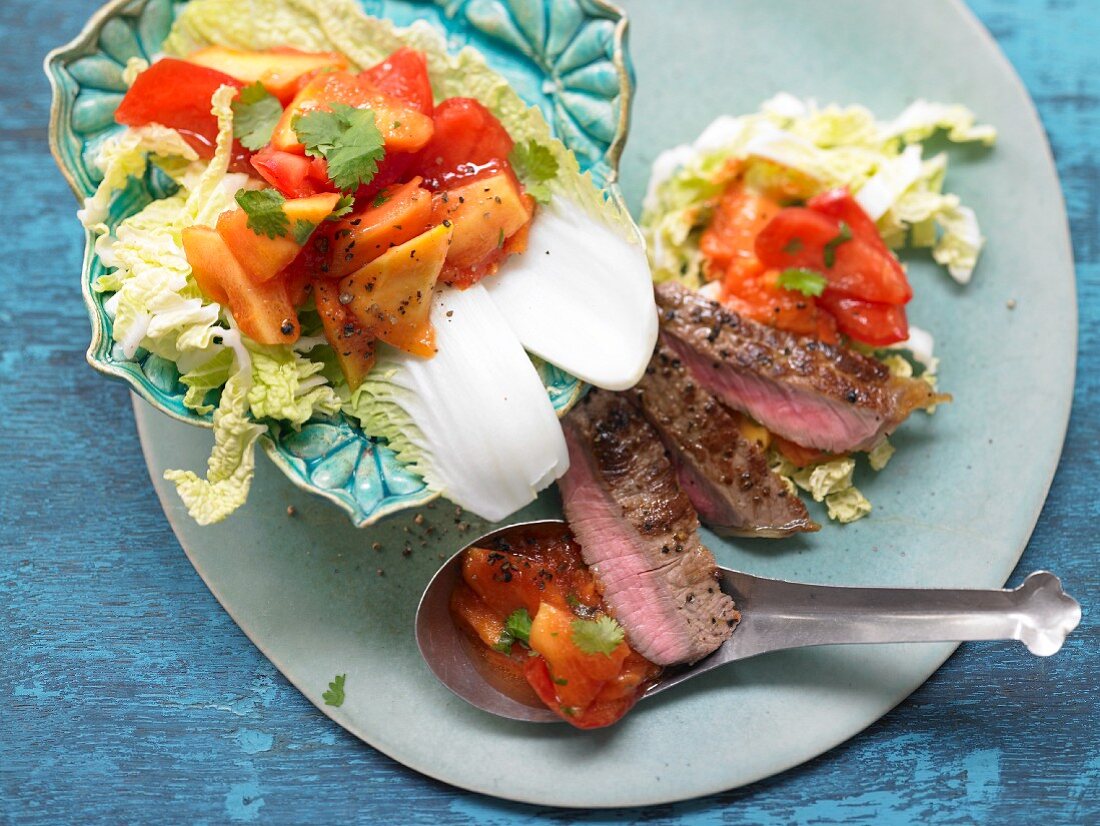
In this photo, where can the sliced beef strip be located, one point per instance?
(639, 532)
(725, 474)
(815, 394)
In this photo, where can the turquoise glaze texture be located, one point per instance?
(564, 56)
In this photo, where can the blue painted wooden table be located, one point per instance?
(130, 696)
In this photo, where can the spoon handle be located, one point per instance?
(777, 615)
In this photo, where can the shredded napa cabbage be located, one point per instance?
(157, 306)
(797, 149)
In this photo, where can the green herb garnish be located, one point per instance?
(256, 113)
(348, 138)
(802, 280)
(793, 246)
(845, 234)
(302, 230)
(335, 694)
(517, 628)
(342, 208)
(264, 208)
(536, 167)
(598, 636)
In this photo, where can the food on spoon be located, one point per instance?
(818, 395)
(639, 533)
(720, 462)
(325, 245)
(535, 615)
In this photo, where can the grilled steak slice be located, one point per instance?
(639, 532)
(725, 474)
(815, 394)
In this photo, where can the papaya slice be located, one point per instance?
(262, 311)
(392, 296)
(262, 257)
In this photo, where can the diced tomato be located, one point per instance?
(730, 238)
(289, 173)
(176, 94)
(467, 140)
(839, 203)
(392, 169)
(801, 237)
(867, 321)
(758, 297)
(404, 74)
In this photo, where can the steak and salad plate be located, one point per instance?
(454, 265)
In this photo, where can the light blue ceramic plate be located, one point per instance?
(955, 508)
(571, 64)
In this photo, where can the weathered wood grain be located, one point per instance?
(129, 696)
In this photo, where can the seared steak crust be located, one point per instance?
(725, 474)
(815, 394)
(639, 532)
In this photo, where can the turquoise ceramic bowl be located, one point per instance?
(568, 57)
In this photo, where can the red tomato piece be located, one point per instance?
(759, 298)
(839, 203)
(288, 173)
(404, 75)
(801, 237)
(467, 141)
(393, 168)
(729, 239)
(867, 321)
(176, 94)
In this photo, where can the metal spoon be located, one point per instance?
(775, 615)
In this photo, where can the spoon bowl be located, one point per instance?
(775, 615)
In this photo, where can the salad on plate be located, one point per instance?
(790, 217)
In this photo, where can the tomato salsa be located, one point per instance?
(817, 268)
(366, 192)
(533, 610)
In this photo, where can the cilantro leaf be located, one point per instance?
(802, 280)
(536, 166)
(302, 230)
(348, 138)
(518, 625)
(256, 113)
(342, 208)
(517, 628)
(845, 234)
(598, 636)
(335, 694)
(793, 246)
(380, 199)
(265, 211)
